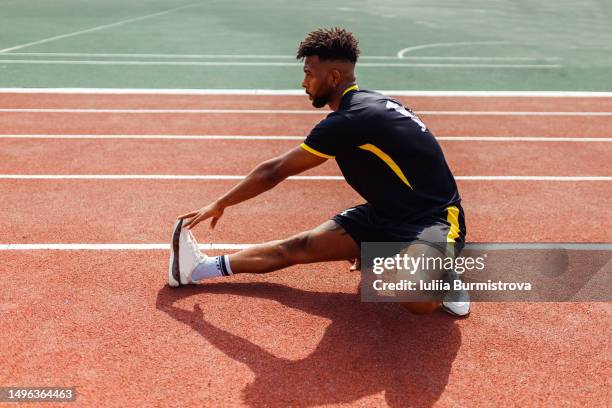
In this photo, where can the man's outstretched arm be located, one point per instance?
(265, 176)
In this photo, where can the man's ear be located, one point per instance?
(334, 77)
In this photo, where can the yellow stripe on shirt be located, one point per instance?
(350, 88)
(388, 160)
(315, 152)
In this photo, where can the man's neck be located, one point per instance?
(334, 103)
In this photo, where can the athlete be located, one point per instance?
(385, 153)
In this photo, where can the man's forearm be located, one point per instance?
(261, 179)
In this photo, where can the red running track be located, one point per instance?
(133, 211)
(417, 103)
(287, 124)
(105, 321)
(238, 157)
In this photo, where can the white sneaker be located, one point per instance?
(457, 303)
(185, 256)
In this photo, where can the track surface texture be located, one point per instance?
(107, 323)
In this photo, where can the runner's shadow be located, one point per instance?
(366, 349)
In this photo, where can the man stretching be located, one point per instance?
(384, 152)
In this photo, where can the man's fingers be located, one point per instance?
(192, 220)
(188, 215)
(213, 222)
(192, 223)
(195, 217)
(195, 221)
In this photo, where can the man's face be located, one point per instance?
(317, 81)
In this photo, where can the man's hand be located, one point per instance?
(214, 211)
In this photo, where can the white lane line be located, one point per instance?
(300, 92)
(272, 138)
(239, 177)
(110, 247)
(272, 57)
(535, 178)
(165, 111)
(145, 177)
(511, 113)
(541, 245)
(156, 137)
(97, 28)
(524, 139)
(290, 112)
(401, 53)
(227, 246)
(271, 64)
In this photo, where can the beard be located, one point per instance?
(321, 100)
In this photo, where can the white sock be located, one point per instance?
(212, 267)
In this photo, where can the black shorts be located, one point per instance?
(363, 224)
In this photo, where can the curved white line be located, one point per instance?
(401, 53)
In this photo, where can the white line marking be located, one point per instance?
(543, 245)
(272, 64)
(444, 58)
(400, 53)
(289, 112)
(145, 177)
(164, 111)
(152, 63)
(156, 137)
(111, 247)
(263, 56)
(256, 137)
(169, 56)
(535, 178)
(300, 92)
(238, 177)
(89, 30)
(524, 139)
(227, 246)
(512, 113)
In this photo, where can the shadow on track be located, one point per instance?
(367, 348)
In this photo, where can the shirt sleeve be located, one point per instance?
(328, 137)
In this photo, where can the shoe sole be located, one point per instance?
(174, 277)
(451, 312)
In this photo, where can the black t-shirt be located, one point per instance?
(387, 155)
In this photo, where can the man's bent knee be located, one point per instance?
(421, 308)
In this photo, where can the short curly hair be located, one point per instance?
(329, 44)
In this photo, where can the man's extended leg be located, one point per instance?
(327, 242)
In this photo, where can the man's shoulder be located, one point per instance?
(334, 121)
(363, 99)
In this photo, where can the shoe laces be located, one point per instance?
(195, 249)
